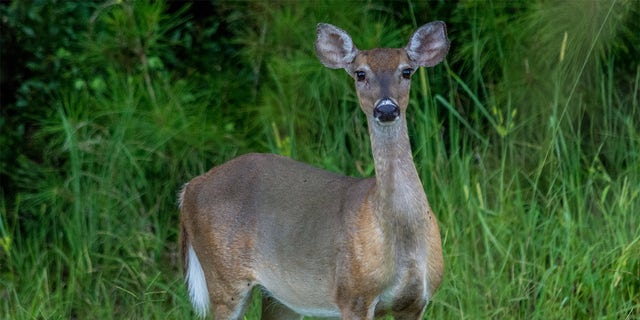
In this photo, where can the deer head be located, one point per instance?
(382, 76)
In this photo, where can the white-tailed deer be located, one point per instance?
(319, 243)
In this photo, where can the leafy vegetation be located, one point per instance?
(527, 141)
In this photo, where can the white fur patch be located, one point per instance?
(197, 284)
(181, 195)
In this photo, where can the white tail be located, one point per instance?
(196, 283)
(319, 243)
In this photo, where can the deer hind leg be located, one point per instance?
(230, 301)
(226, 295)
(274, 310)
(229, 290)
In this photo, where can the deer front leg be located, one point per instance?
(274, 310)
(358, 308)
(357, 297)
(411, 300)
(414, 312)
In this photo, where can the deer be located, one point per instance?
(315, 242)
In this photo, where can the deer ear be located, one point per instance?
(429, 44)
(334, 46)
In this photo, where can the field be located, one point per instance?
(527, 140)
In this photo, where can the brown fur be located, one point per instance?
(317, 242)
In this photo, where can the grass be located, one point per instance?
(526, 140)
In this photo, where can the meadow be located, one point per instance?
(527, 140)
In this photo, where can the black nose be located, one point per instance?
(386, 111)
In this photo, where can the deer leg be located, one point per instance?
(229, 302)
(411, 311)
(358, 308)
(356, 315)
(414, 314)
(274, 310)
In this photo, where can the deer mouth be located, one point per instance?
(386, 112)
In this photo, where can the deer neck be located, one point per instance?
(400, 201)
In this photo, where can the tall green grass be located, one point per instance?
(526, 139)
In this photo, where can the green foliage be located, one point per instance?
(526, 140)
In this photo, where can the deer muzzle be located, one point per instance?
(386, 111)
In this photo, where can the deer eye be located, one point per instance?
(360, 75)
(406, 73)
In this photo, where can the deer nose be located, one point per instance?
(386, 111)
